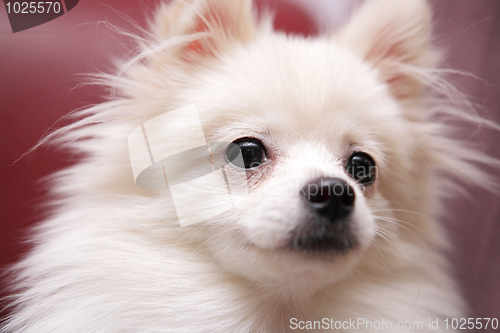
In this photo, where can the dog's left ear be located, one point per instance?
(217, 23)
(395, 37)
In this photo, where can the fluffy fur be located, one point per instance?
(113, 257)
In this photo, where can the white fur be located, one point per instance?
(113, 258)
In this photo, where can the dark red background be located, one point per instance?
(37, 77)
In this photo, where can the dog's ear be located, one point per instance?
(212, 25)
(395, 37)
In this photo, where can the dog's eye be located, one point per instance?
(252, 153)
(361, 166)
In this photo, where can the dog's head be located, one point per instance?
(331, 132)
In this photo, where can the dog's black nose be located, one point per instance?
(331, 198)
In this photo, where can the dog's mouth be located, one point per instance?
(320, 236)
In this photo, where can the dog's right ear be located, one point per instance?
(211, 26)
(393, 35)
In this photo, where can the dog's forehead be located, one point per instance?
(300, 88)
(312, 75)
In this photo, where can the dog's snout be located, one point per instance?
(331, 198)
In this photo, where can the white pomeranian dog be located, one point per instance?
(334, 156)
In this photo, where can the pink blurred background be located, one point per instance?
(38, 70)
